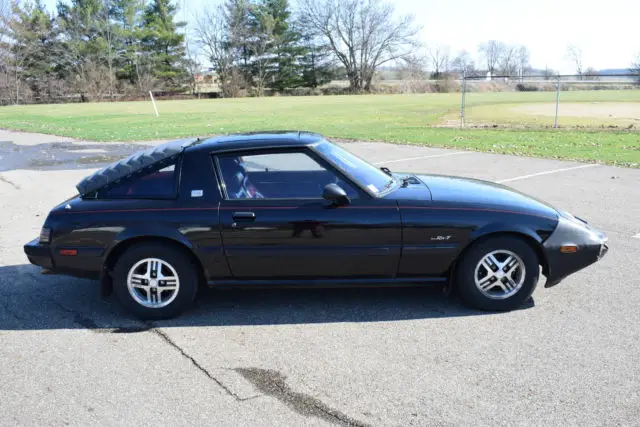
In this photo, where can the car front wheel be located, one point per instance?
(498, 273)
(155, 282)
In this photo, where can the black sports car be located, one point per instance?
(291, 208)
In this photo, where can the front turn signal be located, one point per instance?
(568, 249)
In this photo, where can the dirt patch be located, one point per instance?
(596, 110)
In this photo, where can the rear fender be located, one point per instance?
(154, 231)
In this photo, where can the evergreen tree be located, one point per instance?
(284, 47)
(317, 63)
(127, 16)
(35, 47)
(162, 42)
(238, 29)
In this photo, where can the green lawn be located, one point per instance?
(393, 118)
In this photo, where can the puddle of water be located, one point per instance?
(62, 155)
(90, 150)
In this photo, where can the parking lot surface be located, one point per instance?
(354, 357)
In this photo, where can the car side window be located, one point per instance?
(284, 175)
(153, 184)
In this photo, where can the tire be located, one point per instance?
(508, 294)
(158, 300)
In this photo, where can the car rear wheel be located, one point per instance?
(155, 282)
(498, 273)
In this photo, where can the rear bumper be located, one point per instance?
(39, 254)
(591, 244)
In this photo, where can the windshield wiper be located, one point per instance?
(386, 170)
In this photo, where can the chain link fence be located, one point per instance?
(565, 101)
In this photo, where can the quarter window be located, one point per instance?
(153, 184)
(291, 175)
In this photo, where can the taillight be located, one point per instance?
(45, 235)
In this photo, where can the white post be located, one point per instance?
(153, 101)
(463, 103)
(555, 124)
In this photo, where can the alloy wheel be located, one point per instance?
(153, 283)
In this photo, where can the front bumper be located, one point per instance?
(39, 254)
(591, 246)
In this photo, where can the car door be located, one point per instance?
(275, 223)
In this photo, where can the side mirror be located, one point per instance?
(336, 194)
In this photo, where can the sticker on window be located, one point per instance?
(372, 188)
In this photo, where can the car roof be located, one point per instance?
(256, 140)
(163, 154)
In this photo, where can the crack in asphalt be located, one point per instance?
(269, 382)
(195, 363)
(198, 366)
(82, 320)
(272, 383)
(9, 310)
(11, 183)
(91, 325)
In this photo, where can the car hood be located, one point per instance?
(452, 190)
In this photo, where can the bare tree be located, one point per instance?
(463, 63)
(192, 67)
(107, 34)
(548, 73)
(93, 81)
(592, 74)
(508, 61)
(363, 34)
(145, 81)
(439, 59)
(523, 60)
(635, 69)
(191, 64)
(5, 69)
(574, 54)
(492, 51)
(411, 72)
(218, 37)
(259, 42)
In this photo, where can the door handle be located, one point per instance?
(244, 216)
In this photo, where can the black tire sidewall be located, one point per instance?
(187, 275)
(465, 273)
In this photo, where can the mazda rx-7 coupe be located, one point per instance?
(293, 209)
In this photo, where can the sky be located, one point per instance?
(604, 30)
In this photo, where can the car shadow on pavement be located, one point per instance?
(32, 301)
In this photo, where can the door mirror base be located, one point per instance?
(336, 194)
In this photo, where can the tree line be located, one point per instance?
(93, 49)
(257, 44)
(106, 49)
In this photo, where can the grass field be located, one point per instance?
(416, 119)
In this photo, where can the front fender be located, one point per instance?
(538, 232)
(504, 227)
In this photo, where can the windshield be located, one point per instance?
(364, 173)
